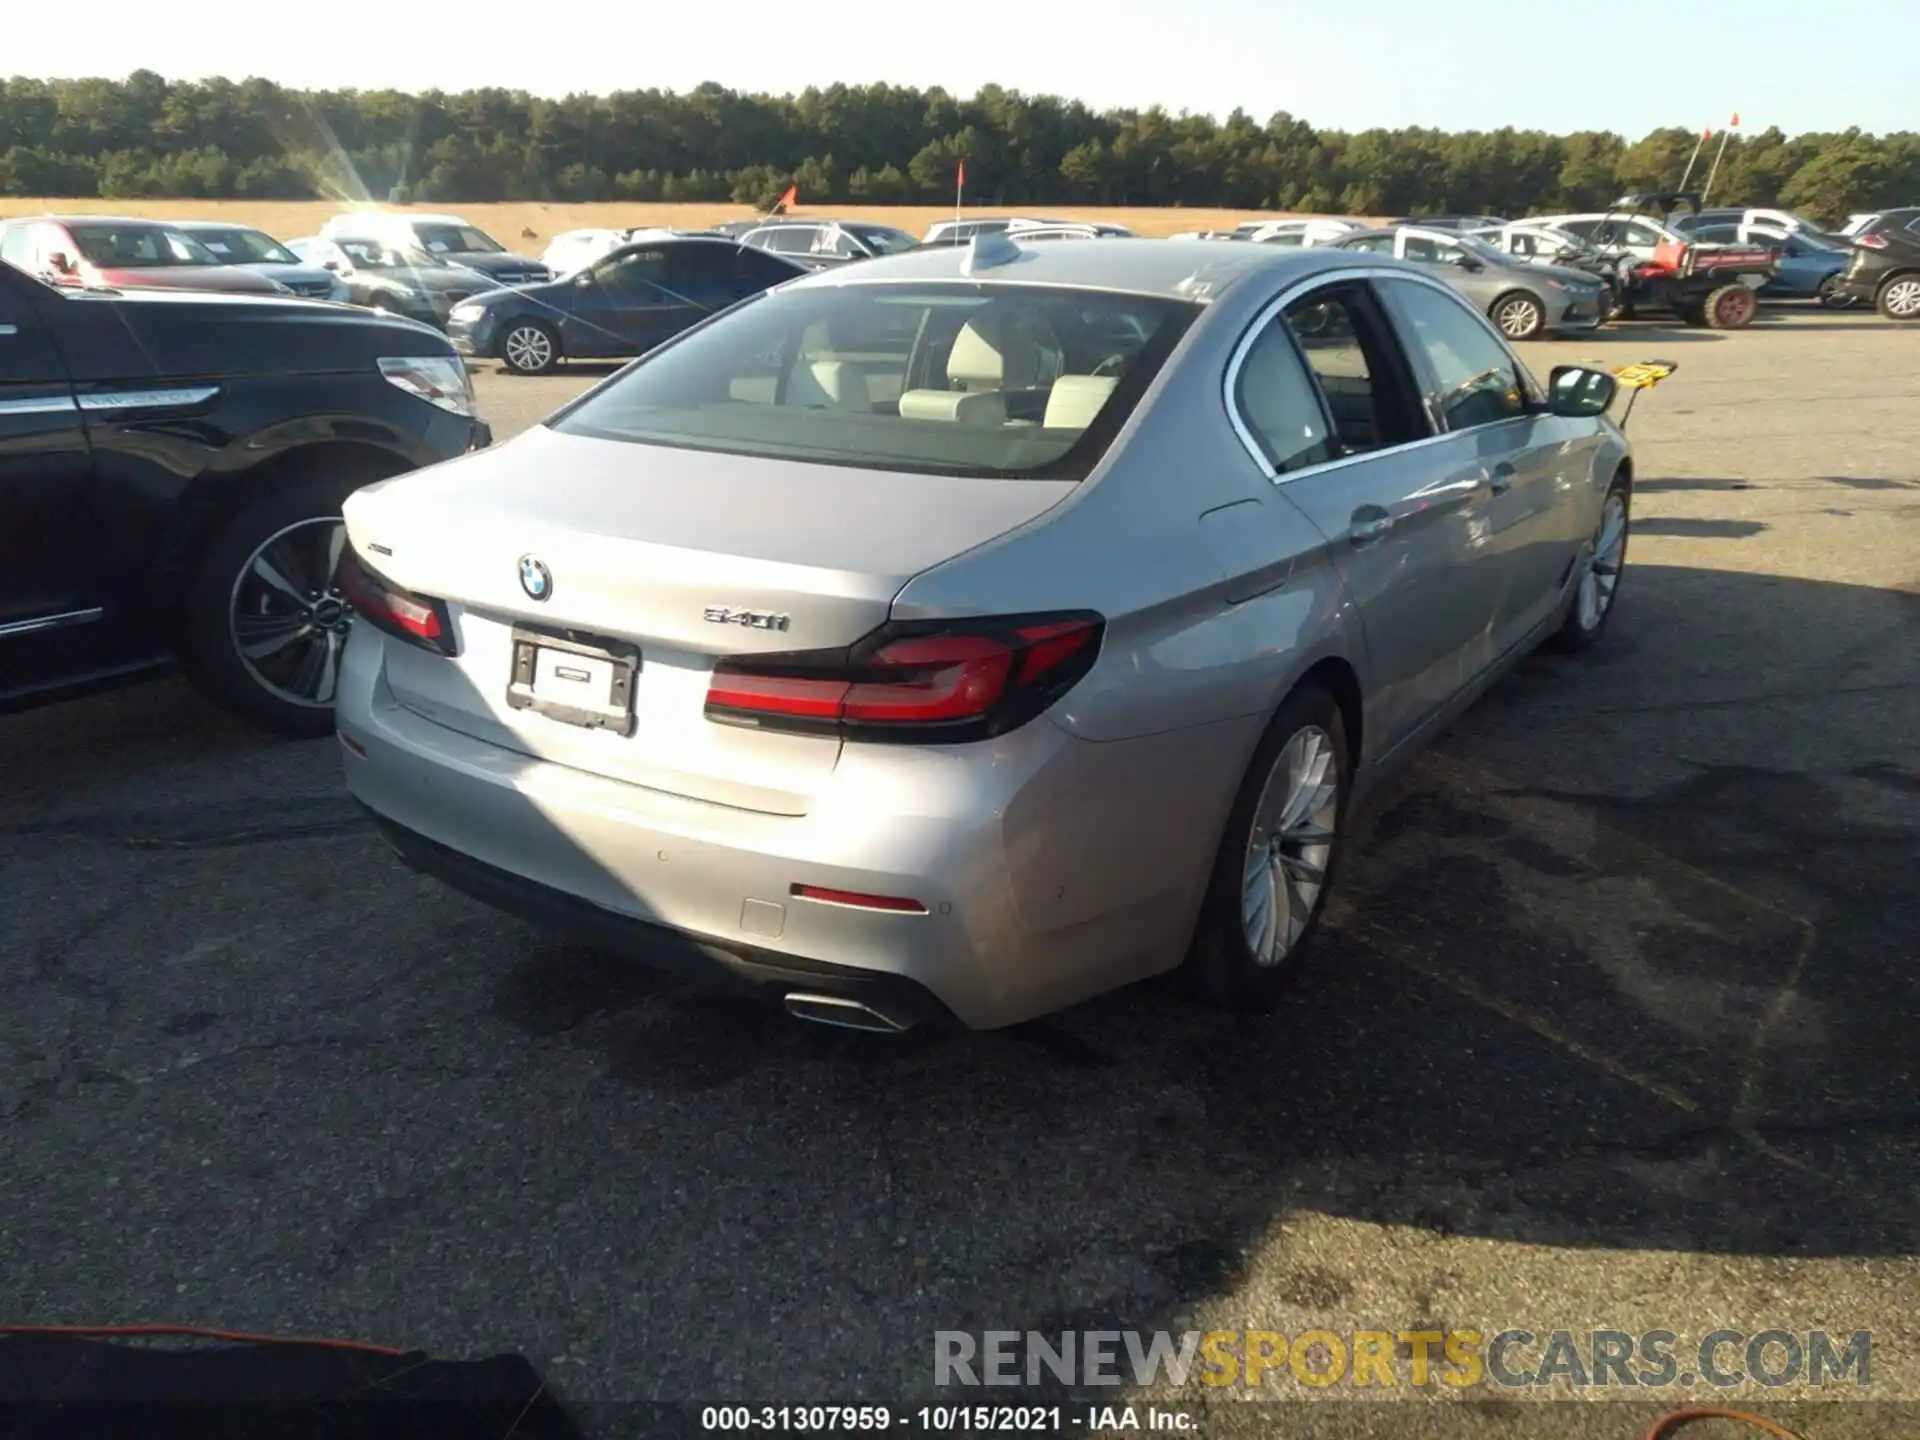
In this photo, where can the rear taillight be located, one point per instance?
(1872, 242)
(417, 619)
(919, 683)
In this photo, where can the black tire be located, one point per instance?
(1731, 307)
(1519, 315)
(1899, 297)
(226, 598)
(529, 347)
(1221, 966)
(1830, 297)
(1580, 630)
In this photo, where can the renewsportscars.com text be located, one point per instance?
(1383, 1359)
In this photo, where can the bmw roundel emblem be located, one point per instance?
(535, 578)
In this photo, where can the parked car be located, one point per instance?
(259, 252)
(622, 304)
(1904, 218)
(381, 276)
(1748, 222)
(1448, 222)
(1883, 270)
(827, 242)
(96, 252)
(171, 472)
(1541, 244)
(1808, 269)
(958, 232)
(752, 660)
(447, 238)
(1615, 234)
(1869, 219)
(1317, 230)
(574, 250)
(1527, 300)
(1032, 229)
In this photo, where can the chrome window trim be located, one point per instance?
(1270, 311)
(158, 399)
(37, 623)
(38, 405)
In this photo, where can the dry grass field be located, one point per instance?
(532, 225)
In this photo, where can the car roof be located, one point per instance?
(211, 225)
(88, 220)
(1196, 270)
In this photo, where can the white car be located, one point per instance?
(1534, 240)
(958, 232)
(574, 250)
(1315, 230)
(447, 238)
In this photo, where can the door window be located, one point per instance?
(16, 246)
(1476, 379)
(1371, 244)
(1356, 395)
(789, 240)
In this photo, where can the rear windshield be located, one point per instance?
(944, 378)
(113, 246)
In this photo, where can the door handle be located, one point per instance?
(1369, 523)
(1500, 478)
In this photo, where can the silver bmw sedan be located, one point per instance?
(958, 635)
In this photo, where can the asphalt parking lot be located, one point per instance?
(1614, 1024)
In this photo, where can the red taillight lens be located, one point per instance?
(1872, 242)
(400, 613)
(915, 683)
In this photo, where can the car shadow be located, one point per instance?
(1700, 529)
(1623, 963)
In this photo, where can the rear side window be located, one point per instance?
(975, 379)
(16, 246)
(1477, 379)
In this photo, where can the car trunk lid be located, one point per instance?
(682, 556)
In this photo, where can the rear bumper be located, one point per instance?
(1050, 868)
(767, 974)
(1864, 291)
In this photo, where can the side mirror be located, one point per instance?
(584, 280)
(331, 265)
(1466, 261)
(60, 262)
(1580, 393)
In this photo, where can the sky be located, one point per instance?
(1623, 65)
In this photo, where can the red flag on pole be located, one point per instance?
(787, 200)
(960, 175)
(1734, 124)
(1707, 134)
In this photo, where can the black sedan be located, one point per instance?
(1884, 270)
(623, 304)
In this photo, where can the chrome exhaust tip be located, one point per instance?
(845, 1014)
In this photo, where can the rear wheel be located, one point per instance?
(1731, 307)
(1829, 294)
(1278, 856)
(266, 620)
(529, 348)
(1519, 316)
(1900, 297)
(1603, 562)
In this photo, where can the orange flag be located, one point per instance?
(788, 200)
(960, 175)
(1734, 124)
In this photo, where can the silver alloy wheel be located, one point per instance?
(528, 348)
(1903, 299)
(1602, 575)
(1291, 843)
(287, 618)
(1519, 318)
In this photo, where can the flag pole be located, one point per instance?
(1714, 169)
(1687, 175)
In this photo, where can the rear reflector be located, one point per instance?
(917, 683)
(899, 904)
(1872, 242)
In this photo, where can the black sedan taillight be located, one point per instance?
(914, 683)
(417, 619)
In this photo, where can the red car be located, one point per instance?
(89, 251)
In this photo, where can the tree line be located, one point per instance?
(145, 136)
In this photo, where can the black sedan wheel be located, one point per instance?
(529, 348)
(267, 622)
(1830, 296)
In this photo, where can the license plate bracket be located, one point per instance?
(575, 679)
